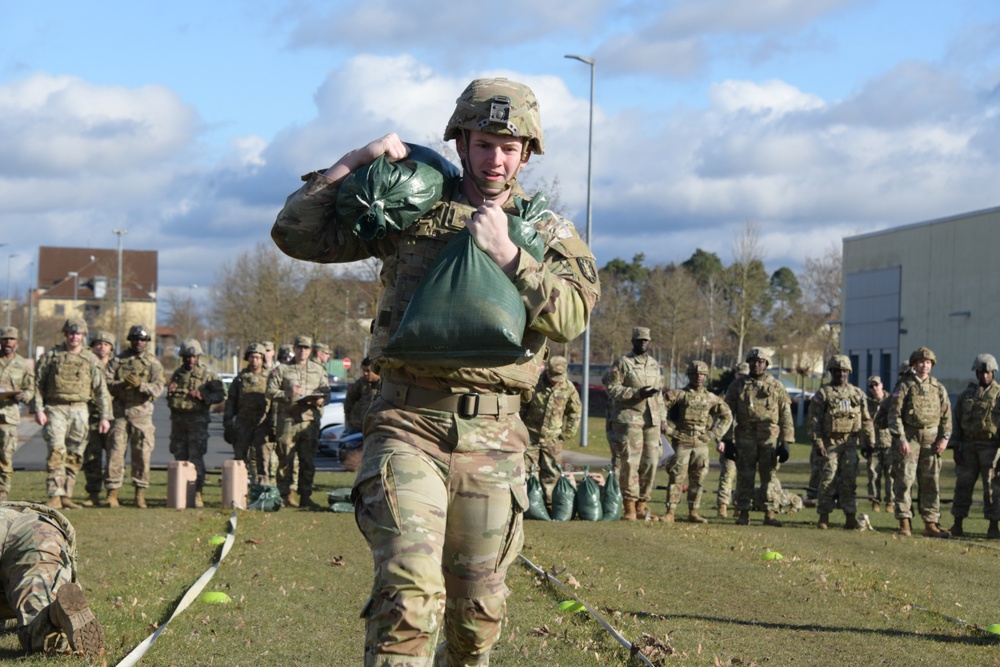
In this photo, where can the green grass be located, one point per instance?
(299, 580)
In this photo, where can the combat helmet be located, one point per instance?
(498, 106)
(922, 353)
(697, 366)
(255, 348)
(758, 353)
(839, 362)
(75, 325)
(985, 362)
(191, 348)
(136, 332)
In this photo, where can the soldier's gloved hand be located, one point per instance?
(646, 392)
(730, 448)
(866, 451)
(781, 452)
(820, 449)
(229, 434)
(132, 381)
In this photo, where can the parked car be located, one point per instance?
(227, 379)
(333, 411)
(795, 393)
(345, 448)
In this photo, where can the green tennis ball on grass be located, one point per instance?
(216, 540)
(771, 555)
(215, 597)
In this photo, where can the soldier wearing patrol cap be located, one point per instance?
(879, 453)
(552, 417)
(102, 345)
(696, 419)
(67, 378)
(759, 438)
(245, 423)
(974, 441)
(298, 391)
(920, 423)
(449, 432)
(839, 423)
(17, 385)
(194, 388)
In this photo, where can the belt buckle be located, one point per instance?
(468, 406)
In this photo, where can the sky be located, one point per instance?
(188, 123)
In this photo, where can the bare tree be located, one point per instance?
(671, 301)
(184, 315)
(822, 282)
(747, 286)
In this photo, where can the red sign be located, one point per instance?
(347, 364)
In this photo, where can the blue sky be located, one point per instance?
(187, 123)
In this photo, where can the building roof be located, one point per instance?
(139, 272)
(926, 223)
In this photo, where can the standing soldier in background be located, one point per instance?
(761, 433)
(839, 423)
(879, 453)
(696, 418)
(66, 379)
(299, 391)
(17, 385)
(135, 379)
(245, 419)
(634, 384)
(552, 417)
(920, 423)
(268, 355)
(360, 395)
(285, 355)
(102, 345)
(727, 459)
(194, 388)
(321, 355)
(977, 418)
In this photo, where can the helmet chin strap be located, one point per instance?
(485, 189)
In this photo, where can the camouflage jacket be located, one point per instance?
(761, 408)
(878, 408)
(553, 413)
(247, 398)
(558, 293)
(977, 414)
(917, 404)
(696, 417)
(184, 381)
(838, 412)
(64, 377)
(129, 401)
(627, 375)
(357, 401)
(310, 376)
(15, 376)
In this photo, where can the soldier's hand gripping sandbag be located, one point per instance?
(385, 196)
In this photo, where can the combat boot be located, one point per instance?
(771, 520)
(824, 521)
(628, 510)
(290, 500)
(68, 503)
(957, 529)
(994, 531)
(723, 511)
(876, 507)
(852, 522)
(742, 517)
(198, 501)
(71, 614)
(112, 499)
(306, 502)
(55, 502)
(904, 528)
(93, 499)
(932, 529)
(694, 517)
(642, 511)
(140, 497)
(669, 516)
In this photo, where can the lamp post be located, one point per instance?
(9, 257)
(118, 309)
(585, 397)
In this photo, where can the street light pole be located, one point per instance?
(118, 310)
(9, 257)
(585, 394)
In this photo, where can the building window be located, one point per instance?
(60, 309)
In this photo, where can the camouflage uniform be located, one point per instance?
(360, 395)
(636, 421)
(552, 416)
(298, 423)
(727, 466)
(762, 416)
(190, 416)
(98, 444)
(441, 493)
(15, 376)
(246, 414)
(838, 420)
(977, 417)
(696, 419)
(133, 408)
(64, 385)
(880, 460)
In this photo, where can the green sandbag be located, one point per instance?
(264, 498)
(536, 500)
(563, 498)
(339, 495)
(611, 499)
(385, 196)
(588, 499)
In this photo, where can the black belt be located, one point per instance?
(467, 405)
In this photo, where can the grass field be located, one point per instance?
(299, 580)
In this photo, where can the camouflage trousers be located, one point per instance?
(93, 459)
(880, 474)
(254, 448)
(815, 474)
(546, 457)
(189, 441)
(922, 466)
(66, 434)
(755, 457)
(842, 458)
(727, 480)
(9, 444)
(687, 462)
(440, 500)
(297, 442)
(35, 561)
(639, 453)
(978, 460)
(135, 434)
(616, 464)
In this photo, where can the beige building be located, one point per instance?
(931, 283)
